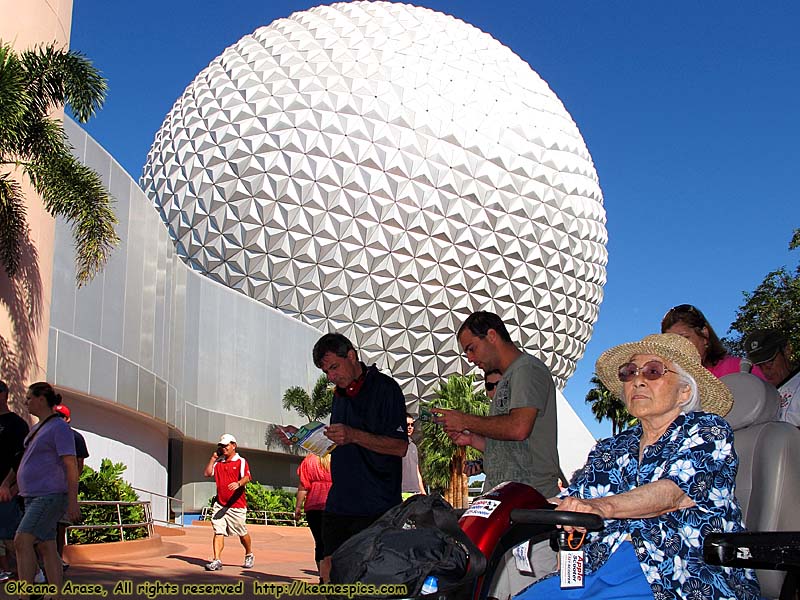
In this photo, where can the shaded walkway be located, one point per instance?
(283, 555)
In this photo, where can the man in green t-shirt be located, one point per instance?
(519, 436)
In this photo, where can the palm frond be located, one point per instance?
(58, 77)
(72, 190)
(13, 101)
(32, 84)
(12, 223)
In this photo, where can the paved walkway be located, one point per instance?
(283, 555)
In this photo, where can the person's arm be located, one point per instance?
(71, 467)
(244, 476)
(7, 487)
(649, 500)
(342, 434)
(421, 483)
(467, 438)
(209, 470)
(300, 501)
(514, 426)
(243, 481)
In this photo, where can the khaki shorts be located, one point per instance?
(228, 521)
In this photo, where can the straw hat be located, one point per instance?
(715, 397)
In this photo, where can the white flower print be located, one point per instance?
(722, 450)
(651, 572)
(655, 553)
(719, 496)
(680, 572)
(598, 491)
(683, 469)
(691, 536)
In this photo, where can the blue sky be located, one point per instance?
(690, 110)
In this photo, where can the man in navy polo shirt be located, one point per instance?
(368, 425)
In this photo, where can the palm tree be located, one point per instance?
(314, 407)
(605, 405)
(33, 84)
(442, 461)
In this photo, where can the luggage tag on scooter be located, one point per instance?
(571, 560)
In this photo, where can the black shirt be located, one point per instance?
(13, 430)
(367, 483)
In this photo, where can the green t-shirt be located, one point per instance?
(527, 383)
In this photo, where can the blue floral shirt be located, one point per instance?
(696, 453)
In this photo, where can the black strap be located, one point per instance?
(32, 434)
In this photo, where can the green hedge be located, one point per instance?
(106, 484)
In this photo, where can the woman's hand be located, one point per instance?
(582, 506)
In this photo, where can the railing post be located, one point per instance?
(119, 520)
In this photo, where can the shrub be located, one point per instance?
(261, 498)
(107, 484)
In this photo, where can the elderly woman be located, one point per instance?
(661, 486)
(687, 321)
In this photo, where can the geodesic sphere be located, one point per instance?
(384, 170)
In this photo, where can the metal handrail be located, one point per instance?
(170, 499)
(145, 504)
(265, 517)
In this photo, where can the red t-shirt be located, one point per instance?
(226, 472)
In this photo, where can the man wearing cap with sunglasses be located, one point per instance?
(769, 349)
(229, 512)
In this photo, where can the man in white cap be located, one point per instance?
(231, 473)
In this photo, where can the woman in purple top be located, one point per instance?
(47, 478)
(688, 322)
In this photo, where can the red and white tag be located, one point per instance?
(571, 568)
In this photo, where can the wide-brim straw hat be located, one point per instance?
(715, 397)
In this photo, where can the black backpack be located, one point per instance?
(418, 538)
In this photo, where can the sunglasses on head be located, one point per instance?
(490, 385)
(687, 309)
(651, 370)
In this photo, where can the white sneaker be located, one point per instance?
(4, 575)
(39, 577)
(214, 565)
(249, 561)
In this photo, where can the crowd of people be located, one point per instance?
(661, 486)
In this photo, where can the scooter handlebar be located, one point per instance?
(589, 521)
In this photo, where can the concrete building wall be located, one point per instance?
(25, 300)
(150, 340)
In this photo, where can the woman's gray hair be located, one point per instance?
(693, 403)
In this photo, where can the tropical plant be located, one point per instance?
(605, 405)
(441, 461)
(775, 303)
(315, 407)
(33, 84)
(107, 484)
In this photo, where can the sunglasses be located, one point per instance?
(490, 385)
(651, 370)
(686, 309)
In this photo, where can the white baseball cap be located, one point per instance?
(226, 439)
